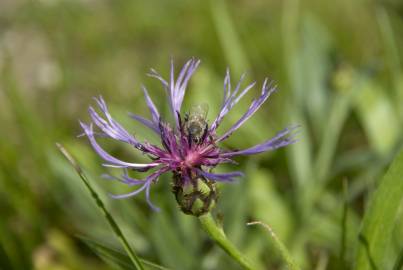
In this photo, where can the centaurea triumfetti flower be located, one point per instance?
(189, 148)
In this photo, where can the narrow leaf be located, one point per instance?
(133, 257)
(343, 224)
(379, 220)
(283, 251)
(116, 257)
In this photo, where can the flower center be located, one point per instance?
(191, 159)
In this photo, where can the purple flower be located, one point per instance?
(189, 148)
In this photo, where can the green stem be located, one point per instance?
(218, 235)
(115, 227)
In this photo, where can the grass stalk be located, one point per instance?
(111, 221)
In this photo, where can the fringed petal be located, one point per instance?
(114, 162)
(176, 89)
(110, 127)
(221, 177)
(146, 186)
(230, 98)
(153, 110)
(145, 122)
(266, 92)
(282, 138)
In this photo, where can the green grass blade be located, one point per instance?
(115, 256)
(130, 252)
(343, 224)
(380, 218)
(283, 251)
(229, 38)
(168, 243)
(391, 51)
(399, 261)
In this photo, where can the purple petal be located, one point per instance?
(155, 208)
(145, 122)
(227, 88)
(147, 183)
(283, 138)
(221, 177)
(266, 92)
(97, 134)
(156, 75)
(214, 161)
(110, 127)
(154, 112)
(127, 195)
(181, 84)
(125, 180)
(176, 89)
(107, 157)
(230, 100)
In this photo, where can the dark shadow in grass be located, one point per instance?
(343, 237)
(399, 261)
(364, 241)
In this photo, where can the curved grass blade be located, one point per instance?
(379, 220)
(228, 37)
(285, 254)
(343, 225)
(399, 261)
(130, 252)
(116, 257)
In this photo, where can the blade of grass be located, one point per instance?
(368, 254)
(392, 57)
(285, 254)
(343, 238)
(130, 252)
(377, 114)
(379, 219)
(228, 36)
(399, 261)
(391, 50)
(116, 256)
(168, 243)
(335, 122)
(4, 259)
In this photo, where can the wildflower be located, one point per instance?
(190, 148)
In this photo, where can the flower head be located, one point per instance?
(189, 148)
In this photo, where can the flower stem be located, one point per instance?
(217, 234)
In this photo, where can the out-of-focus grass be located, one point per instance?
(338, 67)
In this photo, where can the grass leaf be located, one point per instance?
(380, 218)
(285, 254)
(116, 257)
(132, 255)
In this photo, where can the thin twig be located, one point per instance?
(285, 254)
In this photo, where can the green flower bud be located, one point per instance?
(195, 197)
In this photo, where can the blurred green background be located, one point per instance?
(337, 65)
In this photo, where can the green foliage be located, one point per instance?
(116, 257)
(111, 221)
(216, 232)
(337, 65)
(374, 252)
